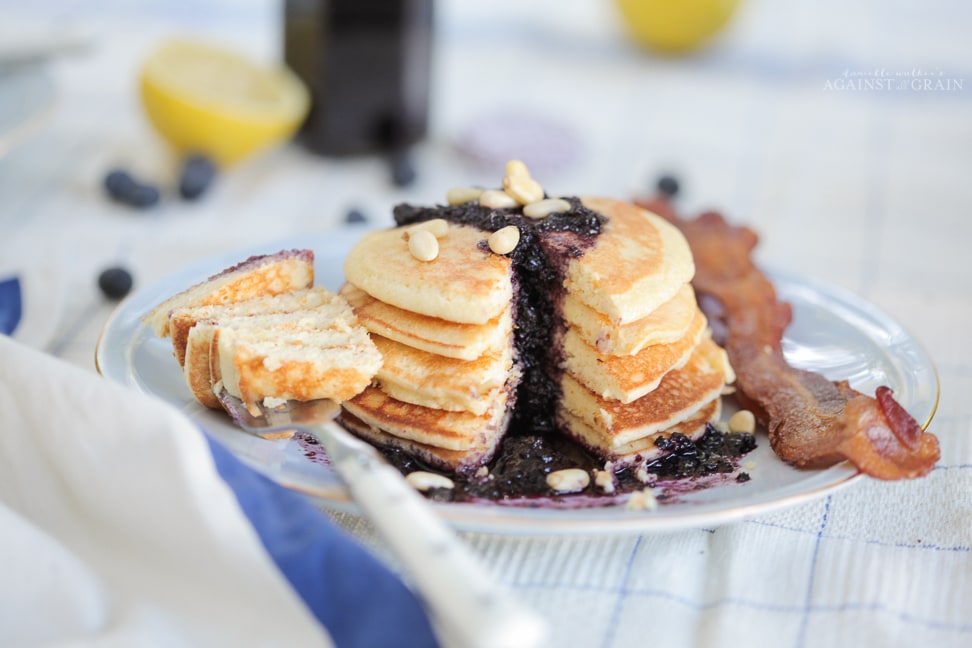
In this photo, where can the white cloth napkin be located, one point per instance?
(118, 529)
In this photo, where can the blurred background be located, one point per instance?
(773, 112)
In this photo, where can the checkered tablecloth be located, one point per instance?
(841, 132)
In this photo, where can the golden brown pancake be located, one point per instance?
(439, 428)
(459, 461)
(628, 378)
(184, 318)
(315, 309)
(667, 323)
(641, 449)
(255, 364)
(639, 262)
(257, 276)
(679, 395)
(465, 283)
(438, 382)
(432, 334)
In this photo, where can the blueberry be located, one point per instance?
(668, 185)
(119, 184)
(115, 282)
(402, 168)
(355, 216)
(122, 187)
(143, 197)
(198, 172)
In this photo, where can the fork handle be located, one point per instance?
(466, 606)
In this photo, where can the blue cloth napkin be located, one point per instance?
(11, 307)
(357, 599)
(122, 523)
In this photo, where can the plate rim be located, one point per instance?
(514, 520)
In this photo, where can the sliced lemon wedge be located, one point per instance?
(206, 99)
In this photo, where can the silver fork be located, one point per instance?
(466, 605)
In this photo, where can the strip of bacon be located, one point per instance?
(812, 422)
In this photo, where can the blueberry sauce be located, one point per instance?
(517, 475)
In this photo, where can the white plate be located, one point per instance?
(833, 332)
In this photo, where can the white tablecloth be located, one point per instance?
(865, 186)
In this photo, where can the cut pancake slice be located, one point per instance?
(181, 320)
(278, 364)
(431, 380)
(196, 368)
(637, 263)
(628, 378)
(642, 449)
(462, 462)
(257, 276)
(432, 334)
(679, 395)
(432, 427)
(464, 283)
(667, 323)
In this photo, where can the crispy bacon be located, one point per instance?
(812, 422)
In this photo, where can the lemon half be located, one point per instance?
(675, 26)
(209, 100)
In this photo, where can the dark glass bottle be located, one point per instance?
(367, 64)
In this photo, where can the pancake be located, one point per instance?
(269, 274)
(639, 450)
(432, 334)
(423, 378)
(681, 393)
(331, 313)
(458, 431)
(465, 283)
(667, 323)
(463, 461)
(639, 262)
(256, 364)
(182, 319)
(628, 378)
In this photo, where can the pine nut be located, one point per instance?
(604, 480)
(643, 500)
(495, 199)
(569, 480)
(505, 240)
(742, 421)
(517, 168)
(524, 189)
(423, 245)
(438, 226)
(543, 208)
(462, 195)
(423, 481)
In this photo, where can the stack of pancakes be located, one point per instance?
(631, 354)
(446, 387)
(639, 361)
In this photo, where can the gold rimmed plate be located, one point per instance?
(833, 332)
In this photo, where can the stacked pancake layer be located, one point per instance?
(444, 327)
(639, 361)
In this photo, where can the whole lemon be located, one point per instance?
(210, 100)
(675, 26)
